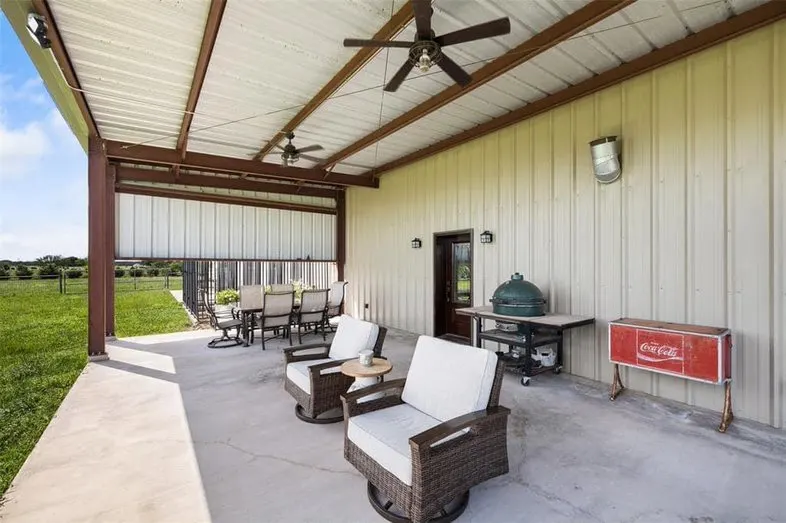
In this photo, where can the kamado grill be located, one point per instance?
(518, 297)
(519, 309)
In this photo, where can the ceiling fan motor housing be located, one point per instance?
(431, 48)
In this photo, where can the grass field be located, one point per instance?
(43, 336)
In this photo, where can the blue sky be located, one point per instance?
(43, 170)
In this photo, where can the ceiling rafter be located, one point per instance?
(212, 24)
(393, 26)
(565, 28)
(135, 174)
(735, 26)
(149, 155)
(141, 190)
(65, 65)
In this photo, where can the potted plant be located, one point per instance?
(227, 299)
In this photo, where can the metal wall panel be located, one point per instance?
(694, 231)
(153, 227)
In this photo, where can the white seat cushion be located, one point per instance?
(352, 336)
(384, 435)
(298, 372)
(447, 380)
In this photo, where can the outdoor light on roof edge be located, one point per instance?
(486, 237)
(36, 26)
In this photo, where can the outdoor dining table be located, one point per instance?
(245, 318)
(532, 332)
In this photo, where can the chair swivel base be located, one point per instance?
(224, 342)
(301, 415)
(448, 513)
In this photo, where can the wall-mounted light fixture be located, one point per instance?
(416, 243)
(486, 237)
(36, 26)
(606, 158)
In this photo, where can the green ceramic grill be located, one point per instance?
(518, 297)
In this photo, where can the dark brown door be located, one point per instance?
(453, 284)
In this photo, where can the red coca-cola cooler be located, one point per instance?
(692, 352)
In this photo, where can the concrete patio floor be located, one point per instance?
(168, 430)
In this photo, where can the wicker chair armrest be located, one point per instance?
(426, 438)
(316, 369)
(353, 408)
(289, 353)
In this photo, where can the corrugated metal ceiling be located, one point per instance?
(136, 63)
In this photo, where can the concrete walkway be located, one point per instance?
(169, 431)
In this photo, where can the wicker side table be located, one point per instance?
(366, 376)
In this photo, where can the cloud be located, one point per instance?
(28, 243)
(22, 149)
(30, 91)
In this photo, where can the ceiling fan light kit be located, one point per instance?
(426, 50)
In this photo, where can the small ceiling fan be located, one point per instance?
(426, 50)
(291, 154)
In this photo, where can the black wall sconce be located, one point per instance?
(486, 237)
(416, 243)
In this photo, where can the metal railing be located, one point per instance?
(214, 276)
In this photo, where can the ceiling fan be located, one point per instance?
(426, 50)
(291, 154)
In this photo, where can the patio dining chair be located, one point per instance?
(432, 436)
(312, 312)
(251, 300)
(224, 324)
(336, 301)
(315, 380)
(276, 315)
(277, 288)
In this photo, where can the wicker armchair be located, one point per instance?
(224, 324)
(315, 380)
(432, 436)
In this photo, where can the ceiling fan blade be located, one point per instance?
(356, 42)
(422, 9)
(454, 70)
(310, 158)
(399, 77)
(310, 148)
(498, 27)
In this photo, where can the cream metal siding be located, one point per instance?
(153, 227)
(693, 232)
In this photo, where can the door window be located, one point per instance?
(462, 273)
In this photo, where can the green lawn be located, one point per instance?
(43, 336)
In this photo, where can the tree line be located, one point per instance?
(75, 267)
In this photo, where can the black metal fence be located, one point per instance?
(214, 276)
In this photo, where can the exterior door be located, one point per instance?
(453, 284)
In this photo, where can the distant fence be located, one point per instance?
(62, 284)
(214, 276)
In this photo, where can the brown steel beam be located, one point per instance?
(341, 234)
(96, 248)
(714, 35)
(220, 198)
(393, 26)
(64, 62)
(109, 235)
(148, 155)
(135, 174)
(208, 41)
(574, 23)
